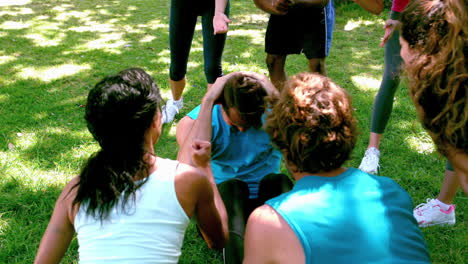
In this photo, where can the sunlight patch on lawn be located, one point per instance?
(3, 97)
(353, 24)
(14, 2)
(111, 42)
(5, 59)
(14, 25)
(421, 143)
(365, 83)
(20, 11)
(147, 39)
(3, 224)
(24, 140)
(243, 67)
(260, 19)
(256, 36)
(172, 130)
(154, 24)
(52, 73)
(42, 40)
(104, 28)
(64, 15)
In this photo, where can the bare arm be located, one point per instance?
(60, 231)
(373, 6)
(220, 20)
(210, 211)
(269, 239)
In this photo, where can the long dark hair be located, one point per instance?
(437, 32)
(119, 110)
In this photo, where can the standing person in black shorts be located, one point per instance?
(183, 18)
(299, 27)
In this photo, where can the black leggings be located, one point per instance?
(183, 18)
(383, 103)
(235, 194)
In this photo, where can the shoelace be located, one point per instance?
(421, 207)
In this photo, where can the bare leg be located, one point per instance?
(317, 65)
(275, 64)
(177, 88)
(374, 140)
(449, 187)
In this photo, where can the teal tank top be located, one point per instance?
(354, 217)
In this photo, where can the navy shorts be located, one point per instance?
(302, 29)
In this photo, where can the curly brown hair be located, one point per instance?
(437, 33)
(312, 124)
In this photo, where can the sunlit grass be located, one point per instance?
(14, 2)
(365, 83)
(53, 52)
(48, 74)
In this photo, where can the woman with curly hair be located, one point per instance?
(434, 37)
(129, 205)
(333, 214)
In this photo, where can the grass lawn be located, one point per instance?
(53, 52)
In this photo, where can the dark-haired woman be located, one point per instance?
(434, 38)
(128, 205)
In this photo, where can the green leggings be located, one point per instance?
(183, 18)
(383, 103)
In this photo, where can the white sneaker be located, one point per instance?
(370, 162)
(430, 213)
(170, 110)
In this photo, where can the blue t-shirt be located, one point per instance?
(248, 155)
(354, 217)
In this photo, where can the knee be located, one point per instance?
(276, 181)
(213, 70)
(234, 188)
(316, 65)
(177, 73)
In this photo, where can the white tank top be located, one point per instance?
(151, 230)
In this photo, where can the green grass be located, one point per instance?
(52, 52)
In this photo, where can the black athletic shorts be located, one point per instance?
(302, 29)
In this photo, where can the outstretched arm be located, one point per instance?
(60, 231)
(220, 20)
(373, 6)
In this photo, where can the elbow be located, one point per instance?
(221, 242)
(378, 9)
